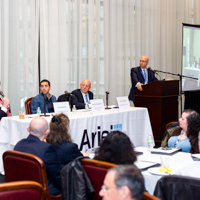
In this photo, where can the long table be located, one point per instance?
(86, 129)
(177, 162)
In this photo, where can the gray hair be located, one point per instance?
(130, 176)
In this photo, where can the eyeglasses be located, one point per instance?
(143, 61)
(104, 188)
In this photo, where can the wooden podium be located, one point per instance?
(161, 100)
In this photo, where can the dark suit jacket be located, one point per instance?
(67, 152)
(79, 98)
(2, 114)
(47, 153)
(136, 76)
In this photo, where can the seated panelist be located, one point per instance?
(38, 101)
(83, 95)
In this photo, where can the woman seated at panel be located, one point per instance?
(59, 137)
(116, 148)
(186, 136)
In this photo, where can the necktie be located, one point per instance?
(145, 75)
(86, 99)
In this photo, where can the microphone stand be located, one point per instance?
(45, 115)
(180, 77)
(107, 93)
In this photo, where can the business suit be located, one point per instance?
(2, 114)
(79, 98)
(67, 152)
(47, 153)
(136, 76)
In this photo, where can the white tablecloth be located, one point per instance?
(134, 122)
(177, 162)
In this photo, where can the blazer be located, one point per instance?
(47, 153)
(8, 113)
(38, 101)
(2, 114)
(67, 152)
(136, 76)
(79, 102)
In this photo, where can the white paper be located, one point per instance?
(123, 103)
(62, 107)
(97, 106)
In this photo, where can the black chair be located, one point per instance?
(178, 188)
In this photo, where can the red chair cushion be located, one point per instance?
(96, 176)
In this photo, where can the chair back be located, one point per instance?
(22, 190)
(28, 106)
(176, 187)
(96, 171)
(19, 166)
(147, 196)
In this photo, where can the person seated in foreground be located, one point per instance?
(83, 95)
(38, 101)
(116, 148)
(34, 144)
(123, 182)
(4, 106)
(60, 138)
(186, 136)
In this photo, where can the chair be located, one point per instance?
(22, 190)
(177, 188)
(96, 171)
(147, 196)
(20, 166)
(28, 106)
(170, 123)
(168, 133)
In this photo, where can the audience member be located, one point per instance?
(123, 182)
(141, 75)
(60, 138)
(83, 95)
(34, 144)
(4, 107)
(38, 101)
(186, 136)
(116, 148)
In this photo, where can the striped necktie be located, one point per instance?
(145, 75)
(86, 98)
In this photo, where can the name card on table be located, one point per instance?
(62, 107)
(97, 106)
(123, 103)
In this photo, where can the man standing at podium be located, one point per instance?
(141, 75)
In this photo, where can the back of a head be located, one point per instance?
(116, 148)
(59, 130)
(130, 176)
(38, 126)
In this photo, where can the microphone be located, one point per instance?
(1, 95)
(107, 93)
(45, 98)
(155, 71)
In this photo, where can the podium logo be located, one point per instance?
(98, 135)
